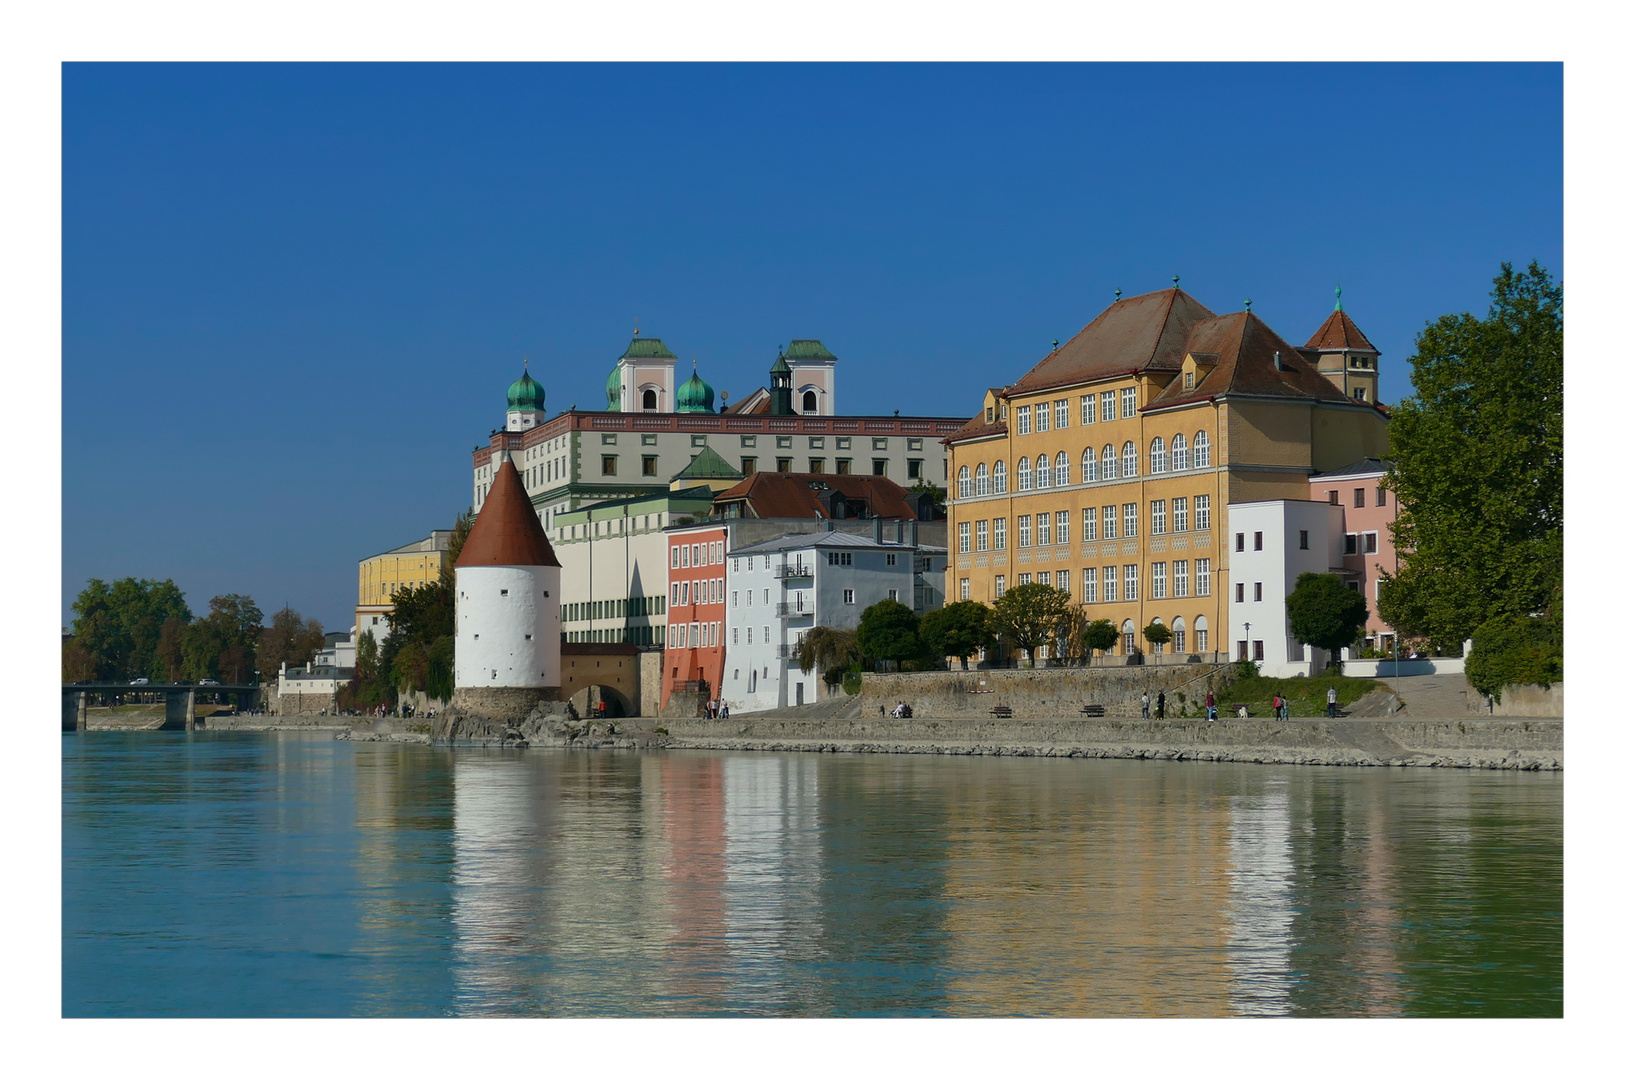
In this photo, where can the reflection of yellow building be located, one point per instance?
(1108, 468)
(383, 575)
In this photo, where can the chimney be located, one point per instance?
(1278, 366)
(878, 524)
(899, 530)
(914, 534)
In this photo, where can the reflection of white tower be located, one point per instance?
(507, 595)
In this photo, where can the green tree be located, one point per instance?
(1100, 635)
(960, 629)
(1026, 617)
(171, 649)
(1326, 613)
(889, 630)
(424, 616)
(366, 657)
(1157, 634)
(119, 625)
(939, 497)
(1516, 649)
(1478, 465)
(291, 639)
(440, 675)
(829, 651)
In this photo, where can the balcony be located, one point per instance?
(793, 570)
(785, 652)
(795, 611)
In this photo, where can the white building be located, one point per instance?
(1271, 543)
(779, 589)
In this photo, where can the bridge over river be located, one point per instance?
(180, 699)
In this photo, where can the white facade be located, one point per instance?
(1271, 543)
(508, 626)
(780, 589)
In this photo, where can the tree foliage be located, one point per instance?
(418, 653)
(960, 629)
(1157, 634)
(1478, 465)
(291, 639)
(889, 630)
(119, 626)
(1326, 613)
(830, 651)
(222, 645)
(1101, 635)
(1026, 617)
(1516, 649)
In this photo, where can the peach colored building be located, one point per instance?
(695, 613)
(1367, 545)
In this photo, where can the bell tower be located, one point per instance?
(1343, 354)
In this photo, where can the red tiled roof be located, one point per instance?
(978, 426)
(1244, 349)
(1135, 334)
(776, 494)
(1338, 332)
(507, 531)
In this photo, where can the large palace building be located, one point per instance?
(1108, 469)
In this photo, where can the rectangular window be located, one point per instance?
(736, 635)
(607, 439)
(744, 440)
(784, 464)
(891, 594)
(916, 468)
(1159, 516)
(696, 441)
(1350, 544)
(843, 442)
(1159, 580)
(1063, 411)
(1088, 585)
(1369, 546)
(735, 598)
(1331, 496)
(1024, 579)
(750, 635)
(747, 465)
(1241, 592)
(1241, 541)
(1258, 650)
(1258, 541)
(1130, 397)
(1086, 409)
(1131, 582)
(684, 550)
(815, 465)
(815, 442)
(1258, 592)
(674, 563)
(964, 537)
(843, 466)
(879, 444)
(1043, 530)
(891, 558)
(1108, 585)
(1108, 406)
(1201, 641)
(1089, 524)
(998, 534)
(650, 440)
(1203, 518)
(1359, 497)
(964, 588)
(846, 596)
(1108, 520)
(1182, 577)
(682, 595)
(1131, 519)
(880, 467)
(1063, 527)
(981, 535)
(783, 442)
(609, 465)
(1303, 539)
(1043, 578)
(1382, 496)
(651, 465)
(916, 445)
(1063, 581)
(1041, 416)
(998, 586)
(1024, 531)
(1181, 517)
(1204, 577)
(1024, 419)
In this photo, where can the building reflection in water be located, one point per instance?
(1259, 916)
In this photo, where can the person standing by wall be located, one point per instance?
(1145, 705)
(1160, 703)
(1212, 709)
(1331, 701)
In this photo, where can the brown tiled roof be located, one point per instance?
(1244, 349)
(977, 426)
(791, 495)
(507, 531)
(1338, 332)
(1135, 334)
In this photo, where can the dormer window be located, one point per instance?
(1190, 379)
(1359, 393)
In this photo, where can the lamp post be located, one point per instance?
(1247, 634)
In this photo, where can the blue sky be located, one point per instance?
(293, 295)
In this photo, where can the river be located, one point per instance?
(289, 874)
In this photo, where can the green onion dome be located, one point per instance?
(613, 389)
(526, 395)
(695, 395)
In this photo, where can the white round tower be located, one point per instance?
(507, 577)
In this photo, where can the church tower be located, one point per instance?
(644, 379)
(526, 402)
(779, 392)
(507, 581)
(1342, 354)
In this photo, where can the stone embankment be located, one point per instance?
(1045, 691)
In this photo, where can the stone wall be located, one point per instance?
(1519, 700)
(499, 703)
(1054, 692)
(303, 704)
(649, 664)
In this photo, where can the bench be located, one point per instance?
(1000, 711)
(1092, 710)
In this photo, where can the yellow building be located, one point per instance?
(381, 576)
(1107, 469)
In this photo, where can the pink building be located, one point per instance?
(695, 613)
(1368, 551)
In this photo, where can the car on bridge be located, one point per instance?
(208, 682)
(139, 682)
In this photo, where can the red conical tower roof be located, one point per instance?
(507, 531)
(1339, 332)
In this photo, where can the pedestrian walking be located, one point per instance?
(1160, 702)
(1275, 705)
(1212, 709)
(1145, 705)
(1331, 701)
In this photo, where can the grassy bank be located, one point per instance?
(1305, 697)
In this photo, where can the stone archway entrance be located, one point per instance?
(610, 672)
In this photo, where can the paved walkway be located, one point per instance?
(1433, 697)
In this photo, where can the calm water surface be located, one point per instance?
(239, 874)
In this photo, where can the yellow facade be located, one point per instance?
(1127, 534)
(383, 575)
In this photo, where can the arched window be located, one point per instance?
(651, 400)
(809, 402)
(1201, 633)
(982, 483)
(1128, 637)
(1200, 445)
(1063, 469)
(1178, 627)
(1086, 466)
(1131, 460)
(1159, 456)
(1179, 456)
(999, 481)
(1024, 475)
(1108, 463)
(964, 481)
(1042, 479)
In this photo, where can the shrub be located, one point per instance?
(853, 683)
(1511, 649)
